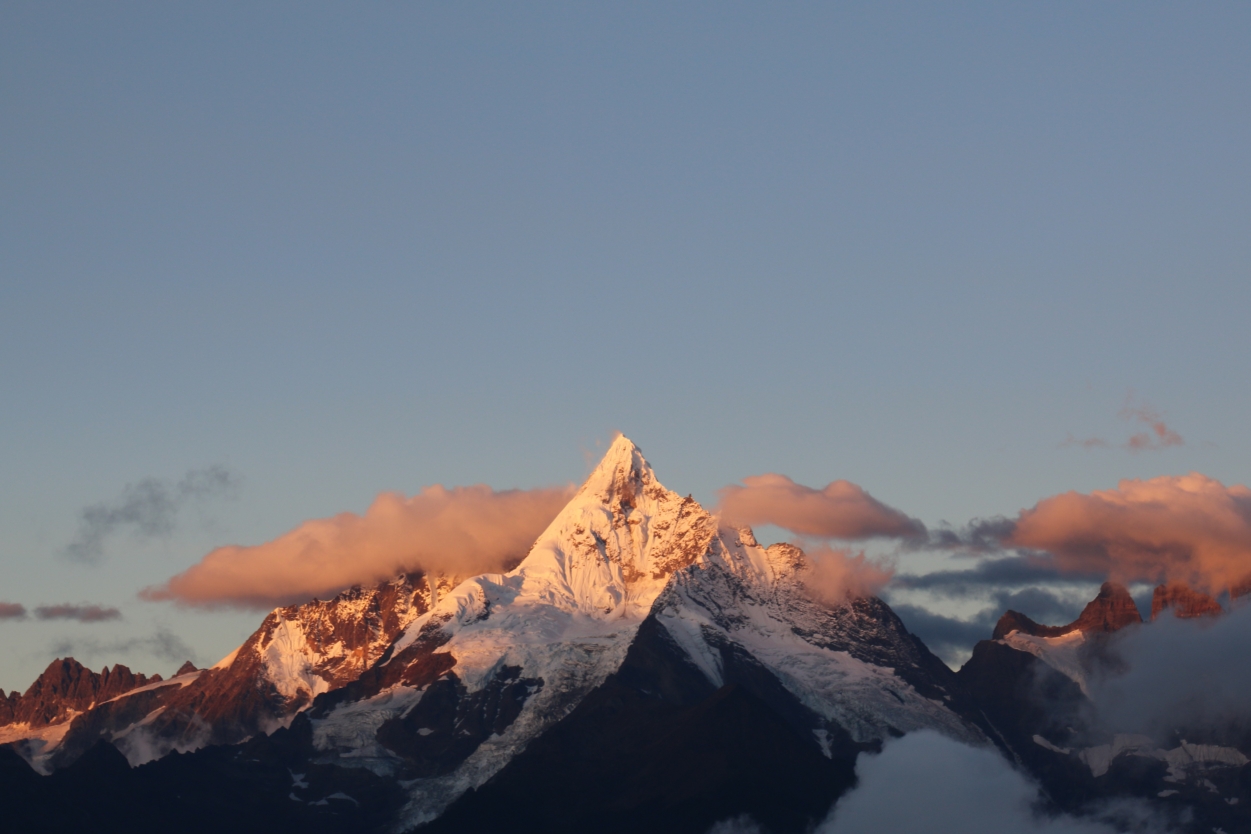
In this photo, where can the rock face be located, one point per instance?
(1183, 601)
(65, 689)
(1112, 610)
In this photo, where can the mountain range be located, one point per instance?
(641, 668)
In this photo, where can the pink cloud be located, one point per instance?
(460, 531)
(1190, 529)
(834, 575)
(840, 510)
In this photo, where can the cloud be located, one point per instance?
(81, 613)
(925, 782)
(1157, 434)
(840, 510)
(12, 611)
(149, 508)
(461, 531)
(164, 645)
(981, 535)
(834, 575)
(1179, 674)
(1190, 529)
(990, 574)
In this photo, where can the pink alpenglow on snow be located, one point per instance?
(1190, 529)
(462, 531)
(839, 510)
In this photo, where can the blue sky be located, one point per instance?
(342, 249)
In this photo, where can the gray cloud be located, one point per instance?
(12, 611)
(81, 613)
(147, 509)
(1180, 675)
(979, 536)
(927, 782)
(1024, 569)
(164, 645)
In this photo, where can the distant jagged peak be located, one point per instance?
(1111, 610)
(1016, 621)
(1183, 601)
(66, 688)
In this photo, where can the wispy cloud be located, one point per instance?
(1158, 434)
(461, 531)
(164, 645)
(839, 510)
(81, 613)
(147, 509)
(1155, 434)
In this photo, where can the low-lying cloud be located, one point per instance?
(147, 509)
(81, 613)
(1189, 528)
(926, 782)
(834, 575)
(1180, 674)
(462, 531)
(840, 510)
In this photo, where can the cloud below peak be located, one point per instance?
(839, 510)
(461, 531)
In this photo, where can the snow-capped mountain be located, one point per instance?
(297, 653)
(637, 644)
(511, 655)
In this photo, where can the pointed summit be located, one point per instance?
(1111, 610)
(617, 541)
(621, 475)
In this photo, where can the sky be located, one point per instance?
(262, 264)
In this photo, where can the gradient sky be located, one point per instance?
(340, 249)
